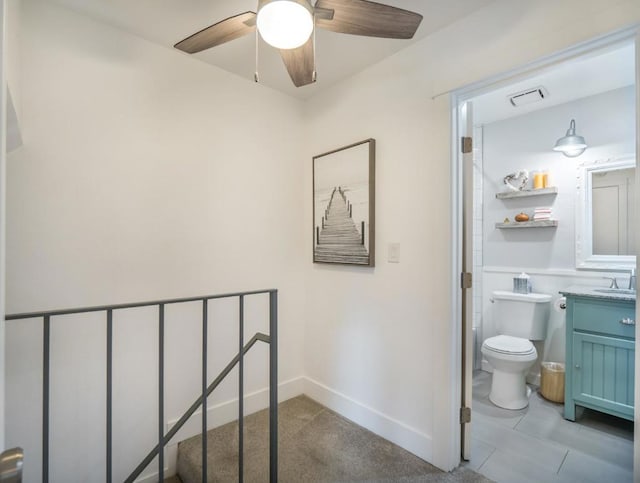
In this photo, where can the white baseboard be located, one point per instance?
(228, 411)
(153, 477)
(391, 429)
(217, 416)
(170, 458)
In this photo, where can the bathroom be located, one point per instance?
(515, 129)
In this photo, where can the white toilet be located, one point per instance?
(519, 318)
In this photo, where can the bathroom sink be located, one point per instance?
(621, 291)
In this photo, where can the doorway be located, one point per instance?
(493, 255)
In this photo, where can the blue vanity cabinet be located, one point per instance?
(600, 355)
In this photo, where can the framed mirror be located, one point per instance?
(605, 214)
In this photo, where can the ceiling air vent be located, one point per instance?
(529, 96)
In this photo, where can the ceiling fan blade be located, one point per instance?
(371, 19)
(299, 63)
(219, 33)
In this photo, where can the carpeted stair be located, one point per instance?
(315, 445)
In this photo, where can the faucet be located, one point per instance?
(614, 282)
(632, 279)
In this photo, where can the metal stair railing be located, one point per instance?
(201, 401)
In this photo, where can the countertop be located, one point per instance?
(598, 292)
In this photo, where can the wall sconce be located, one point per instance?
(571, 145)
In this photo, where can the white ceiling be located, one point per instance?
(338, 56)
(586, 76)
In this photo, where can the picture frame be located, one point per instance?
(344, 205)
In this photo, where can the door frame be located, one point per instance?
(457, 98)
(3, 186)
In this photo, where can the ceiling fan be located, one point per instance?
(288, 26)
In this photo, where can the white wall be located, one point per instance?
(13, 53)
(144, 175)
(13, 74)
(379, 341)
(607, 121)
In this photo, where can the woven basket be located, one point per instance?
(552, 381)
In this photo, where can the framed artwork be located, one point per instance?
(344, 205)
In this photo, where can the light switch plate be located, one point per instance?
(393, 255)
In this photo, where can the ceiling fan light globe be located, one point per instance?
(285, 24)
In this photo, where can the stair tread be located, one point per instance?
(315, 444)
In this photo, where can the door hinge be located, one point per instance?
(466, 280)
(465, 415)
(466, 144)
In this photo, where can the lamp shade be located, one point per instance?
(571, 145)
(285, 24)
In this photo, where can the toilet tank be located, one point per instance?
(521, 315)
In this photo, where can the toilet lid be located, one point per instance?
(507, 344)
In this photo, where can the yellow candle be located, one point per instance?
(538, 180)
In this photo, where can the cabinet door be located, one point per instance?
(603, 373)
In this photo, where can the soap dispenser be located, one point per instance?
(522, 283)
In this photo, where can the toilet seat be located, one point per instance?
(510, 346)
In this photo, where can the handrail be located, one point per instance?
(104, 308)
(271, 339)
(196, 404)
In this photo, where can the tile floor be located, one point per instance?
(537, 444)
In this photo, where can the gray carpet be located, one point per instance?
(315, 445)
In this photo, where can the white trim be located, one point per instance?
(153, 477)
(227, 411)
(555, 272)
(219, 415)
(454, 382)
(170, 469)
(379, 423)
(391, 429)
(612, 39)
(585, 258)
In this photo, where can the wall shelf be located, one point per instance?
(528, 224)
(552, 190)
